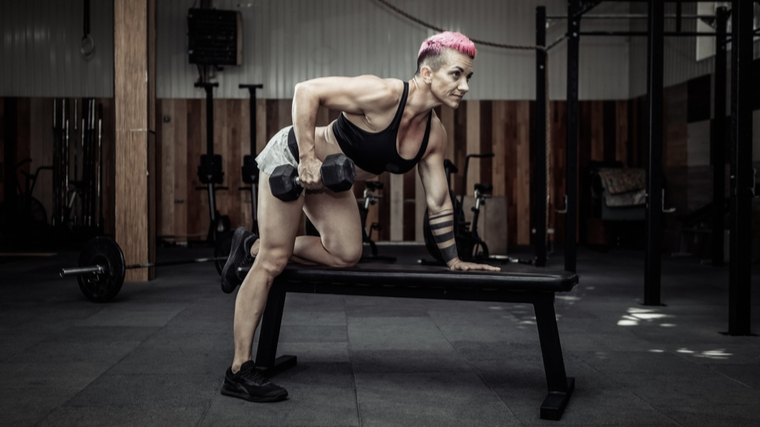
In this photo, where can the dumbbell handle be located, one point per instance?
(297, 181)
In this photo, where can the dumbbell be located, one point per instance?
(338, 174)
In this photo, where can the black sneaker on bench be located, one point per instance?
(240, 254)
(249, 384)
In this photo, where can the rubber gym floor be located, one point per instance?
(156, 355)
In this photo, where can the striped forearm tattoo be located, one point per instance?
(442, 228)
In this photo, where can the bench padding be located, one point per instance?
(512, 277)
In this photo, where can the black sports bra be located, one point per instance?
(375, 152)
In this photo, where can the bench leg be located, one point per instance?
(266, 360)
(560, 386)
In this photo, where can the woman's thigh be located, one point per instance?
(278, 222)
(336, 217)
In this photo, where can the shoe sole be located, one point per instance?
(232, 261)
(228, 391)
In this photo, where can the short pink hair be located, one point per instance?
(435, 46)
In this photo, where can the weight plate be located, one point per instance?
(102, 287)
(222, 249)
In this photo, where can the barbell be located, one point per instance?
(102, 268)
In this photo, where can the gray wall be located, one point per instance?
(41, 49)
(680, 52)
(680, 62)
(287, 41)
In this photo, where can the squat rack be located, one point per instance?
(742, 186)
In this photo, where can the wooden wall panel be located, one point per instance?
(109, 171)
(610, 131)
(182, 169)
(522, 179)
(167, 164)
(420, 205)
(272, 118)
(595, 115)
(161, 186)
(501, 127)
(410, 202)
(196, 145)
(396, 191)
(675, 144)
(384, 208)
(233, 177)
(486, 138)
(621, 132)
(446, 116)
(262, 137)
(511, 162)
(284, 115)
(498, 147)
(222, 147)
(472, 147)
(585, 155)
(460, 144)
(243, 198)
(559, 155)
(158, 177)
(181, 140)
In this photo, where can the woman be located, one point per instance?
(385, 125)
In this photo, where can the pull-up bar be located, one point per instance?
(643, 34)
(634, 16)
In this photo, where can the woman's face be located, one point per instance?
(450, 83)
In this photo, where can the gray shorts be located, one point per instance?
(276, 153)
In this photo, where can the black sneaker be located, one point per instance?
(236, 258)
(249, 384)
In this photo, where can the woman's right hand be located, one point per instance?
(309, 174)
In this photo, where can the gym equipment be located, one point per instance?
(467, 243)
(30, 209)
(99, 180)
(250, 169)
(222, 250)
(470, 246)
(60, 163)
(459, 221)
(338, 174)
(23, 218)
(740, 124)
(521, 284)
(210, 170)
(88, 44)
(82, 192)
(250, 175)
(370, 198)
(102, 267)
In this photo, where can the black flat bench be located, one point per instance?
(517, 283)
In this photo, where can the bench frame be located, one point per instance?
(559, 384)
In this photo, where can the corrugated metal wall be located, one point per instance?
(680, 52)
(41, 49)
(289, 41)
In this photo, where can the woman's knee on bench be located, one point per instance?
(344, 254)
